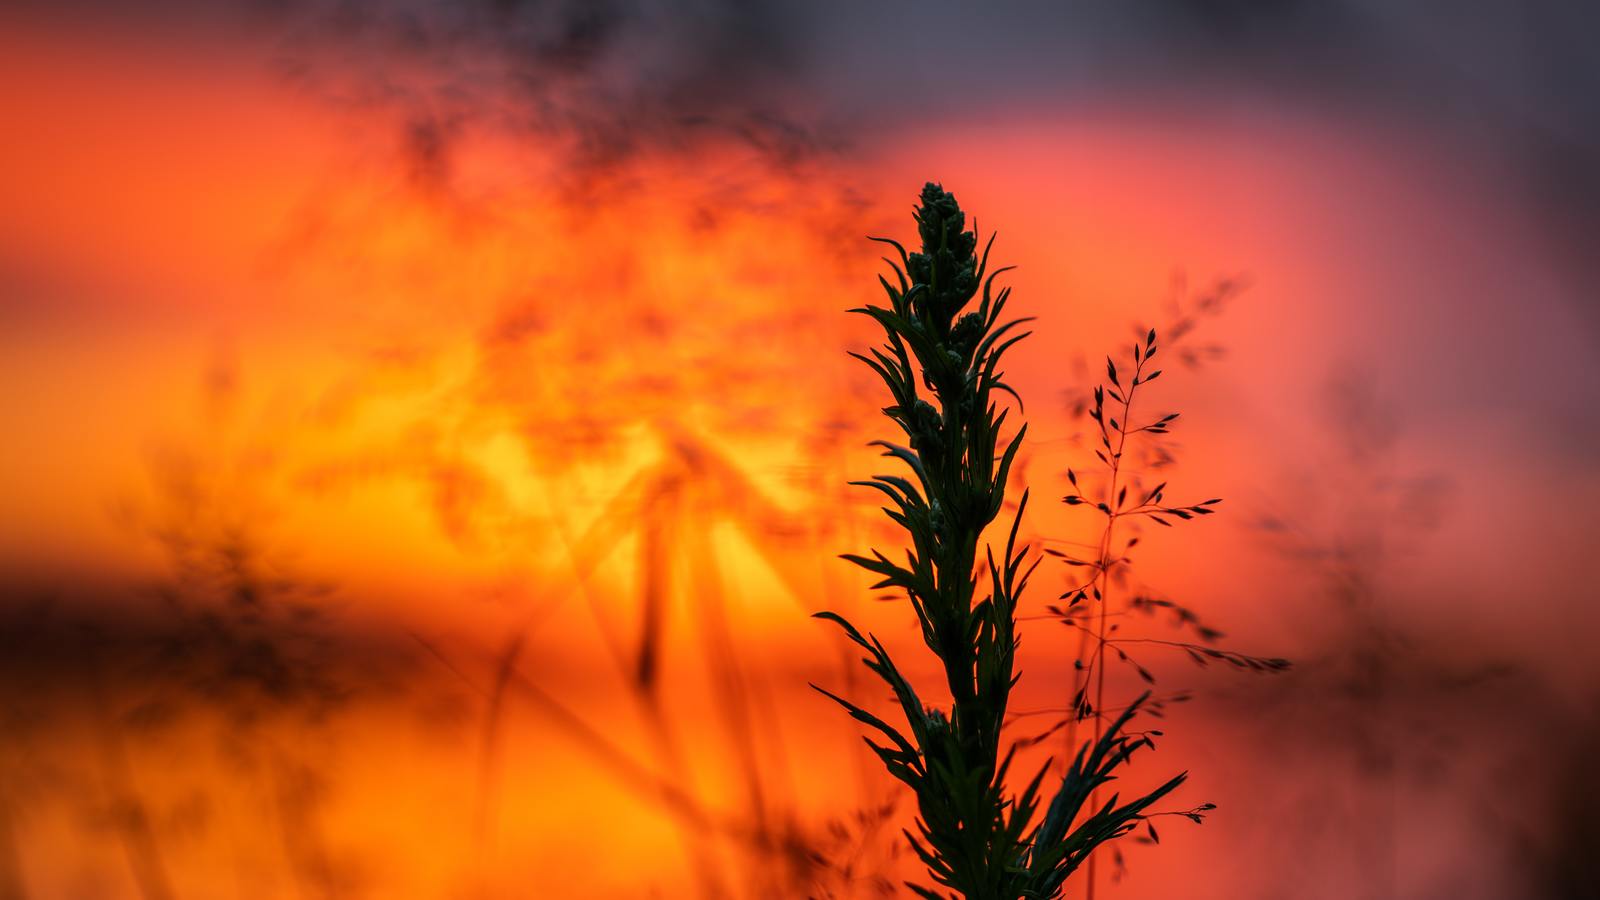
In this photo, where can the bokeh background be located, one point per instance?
(427, 428)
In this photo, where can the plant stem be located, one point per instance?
(976, 836)
(1103, 587)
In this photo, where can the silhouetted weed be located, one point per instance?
(974, 835)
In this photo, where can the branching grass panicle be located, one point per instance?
(1130, 446)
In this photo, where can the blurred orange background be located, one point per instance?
(407, 501)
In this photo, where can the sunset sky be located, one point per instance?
(504, 339)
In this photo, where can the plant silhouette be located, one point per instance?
(975, 837)
(1104, 599)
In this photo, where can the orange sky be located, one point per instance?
(232, 306)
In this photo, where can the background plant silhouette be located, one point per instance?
(1129, 448)
(974, 836)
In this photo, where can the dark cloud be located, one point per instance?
(601, 81)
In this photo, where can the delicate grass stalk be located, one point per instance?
(1114, 431)
(669, 505)
(975, 836)
(130, 816)
(490, 740)
(1120, 495)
